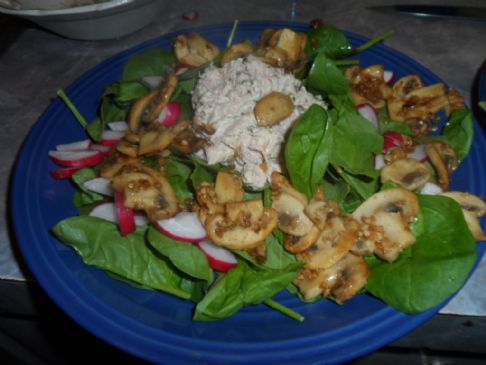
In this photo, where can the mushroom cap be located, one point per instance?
(407, 173)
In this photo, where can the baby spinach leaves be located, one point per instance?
(435, 267)
(149, 63)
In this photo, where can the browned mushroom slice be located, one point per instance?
(147, 189)
(456, 101)
(208, 200)
(297, 244)
(281, 184)
(228, 187)
(396, 236)
(282, 48)
(114, 163)
(236, 51)
(443, 159)
(291, 216)
(272, 109)
(342, 281)
(368, 85)
(127, 148)
(194, 50)
(473, 207)
(333, 243)
(244, 213)
(146, 109)
(159, 138)
(187, 142)
(407, 173)
(369, 234)
(226, 233)
(397, 200)
(320, 209)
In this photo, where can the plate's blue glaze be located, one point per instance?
(156, 326)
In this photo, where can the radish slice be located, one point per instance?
(75, 146)
(431, 189)
(388, 77)
(185, 226)
(120, 126)
(418, 153)
(379, 162)
(110, 138)
(392, 139)
(77, 159)
(152, 81)
(105, 150)
(65, 173)
(369, 113)
(219, 258)
(99, 185)
(106, 211)
(169, 115)
(126, 218)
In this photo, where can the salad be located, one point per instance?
(226, 176)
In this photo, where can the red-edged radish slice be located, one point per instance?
(418, 153)
(392, 139)
(379, 162)
(106, 211)
(100, 185)
(105, 150)
(190, 15)
(120, 126)
(152, 81)
(219, 258)
(369, 113)
(75, 146)
(169, 115)
(78, 159)
(431, 189)
(388, 77)
(64, 173)
(185, 226)
(126, 217)
(110, 138)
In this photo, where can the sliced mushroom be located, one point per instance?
(236, 51)
(369, 234)
(408, 173)
(280, 184)
(245, 213)
(456, 101)
(159, 138)
(273, 108)
(320, 209)
(226, 233)
(333, 243)
(444, 160)
(473, 207)
(291, 216)
(229, 187)
(127, 148)
(194, 50)
(147, 189)
(115, 162)
(342, 281)
(187, 142)
(208, 200)
(368, 85)
(396, 200)
(297, 244)
(146, 109)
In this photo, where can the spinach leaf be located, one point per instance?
(242, 286)
(307, 150)
(149, 63)
(327, 40)
(85, 196)
(326, 76)
(387, 124)
(365, 185)
(459, 132)
(201, 174)
(127, 91)
(435, 267)
(185, 256)
(178, 174)
(99, 243)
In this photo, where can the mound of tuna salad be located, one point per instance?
(231, 105)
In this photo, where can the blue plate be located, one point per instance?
(158, 327)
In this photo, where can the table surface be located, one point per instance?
(35, 63)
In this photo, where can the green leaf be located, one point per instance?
(327, 40)
(85, 196)
(387, 124)
(179, 174)
(307, 150)
(185, 256)
(458, 133)
(326, 76)
(433, 269)
(99, 243)
(149, 63)
(128, 91)
(482, 105)
(365, 185)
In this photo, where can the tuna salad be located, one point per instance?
(224, 101)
